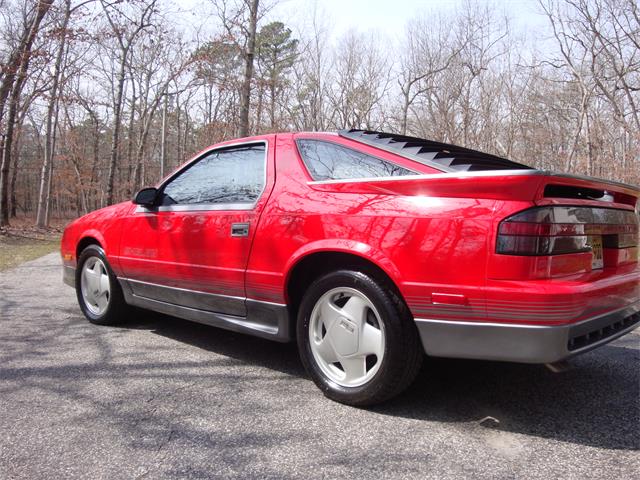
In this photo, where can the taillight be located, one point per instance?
(561, 230)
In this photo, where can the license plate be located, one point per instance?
(595, 242)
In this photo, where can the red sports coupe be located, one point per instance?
(370, 249)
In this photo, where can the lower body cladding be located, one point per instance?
(524, 343)
(440, 338)
(244, 315)
(261, 319)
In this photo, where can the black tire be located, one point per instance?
(403, 352)
(116, 309)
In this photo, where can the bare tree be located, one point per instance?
(428, 49)
(598, 42)
(248, 69)
(86, 123)
(125, 28)
(240, 21)
(14, 76)
(311, 76)
(361, 80)
(49, 141)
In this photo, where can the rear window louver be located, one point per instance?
(443, 156)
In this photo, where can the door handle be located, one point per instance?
(239, 229)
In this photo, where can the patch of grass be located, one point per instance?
(15, 250)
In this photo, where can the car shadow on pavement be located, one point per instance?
(282, 357)
(595, 403)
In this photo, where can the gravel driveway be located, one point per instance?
(164, 398)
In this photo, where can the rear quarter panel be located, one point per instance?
(424, 244)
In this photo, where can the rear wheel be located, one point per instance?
(357, 339)
(98, 291)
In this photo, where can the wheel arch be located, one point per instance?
(311, 263)
(85, 241)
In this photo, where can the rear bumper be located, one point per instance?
(524, 343)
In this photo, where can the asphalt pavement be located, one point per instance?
(160, 397)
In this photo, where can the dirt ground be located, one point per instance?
(22, 241)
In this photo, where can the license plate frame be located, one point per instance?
(597, 258)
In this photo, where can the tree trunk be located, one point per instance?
(17, 145)
(130, 140)
(8, 150)
(115, 138)
(47, 205)
(163, 140)
(248, 70)
(95, 150)
(405, 109)
(148, 115)
(259, 103)
(14, 173)
(43, 198)
(272, 105)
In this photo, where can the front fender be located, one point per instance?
(104, 226)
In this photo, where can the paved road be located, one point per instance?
(163, 398)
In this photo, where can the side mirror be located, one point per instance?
(147, 197)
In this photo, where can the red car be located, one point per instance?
(370, 249)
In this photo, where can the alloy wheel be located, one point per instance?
(95, 286)
(347, 337)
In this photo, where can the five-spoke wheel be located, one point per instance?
(99, 294)
(94, 285)
(356, 337)
(346, 336)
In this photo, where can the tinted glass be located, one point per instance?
(329, 161)
(227, 176)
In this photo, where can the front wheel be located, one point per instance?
(97, 288)
(357, 339)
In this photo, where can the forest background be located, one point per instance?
(101, 97)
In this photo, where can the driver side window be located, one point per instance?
(232, 175)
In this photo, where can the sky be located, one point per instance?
(390, 16)
(385, 16)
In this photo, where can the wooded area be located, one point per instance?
(101, 97)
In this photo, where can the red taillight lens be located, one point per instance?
(559, 230)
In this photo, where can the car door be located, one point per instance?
(192, 249)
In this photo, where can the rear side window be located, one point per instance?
(233, 175)
(330, 161)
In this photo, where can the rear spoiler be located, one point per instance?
(625, 186)
(528, 185)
